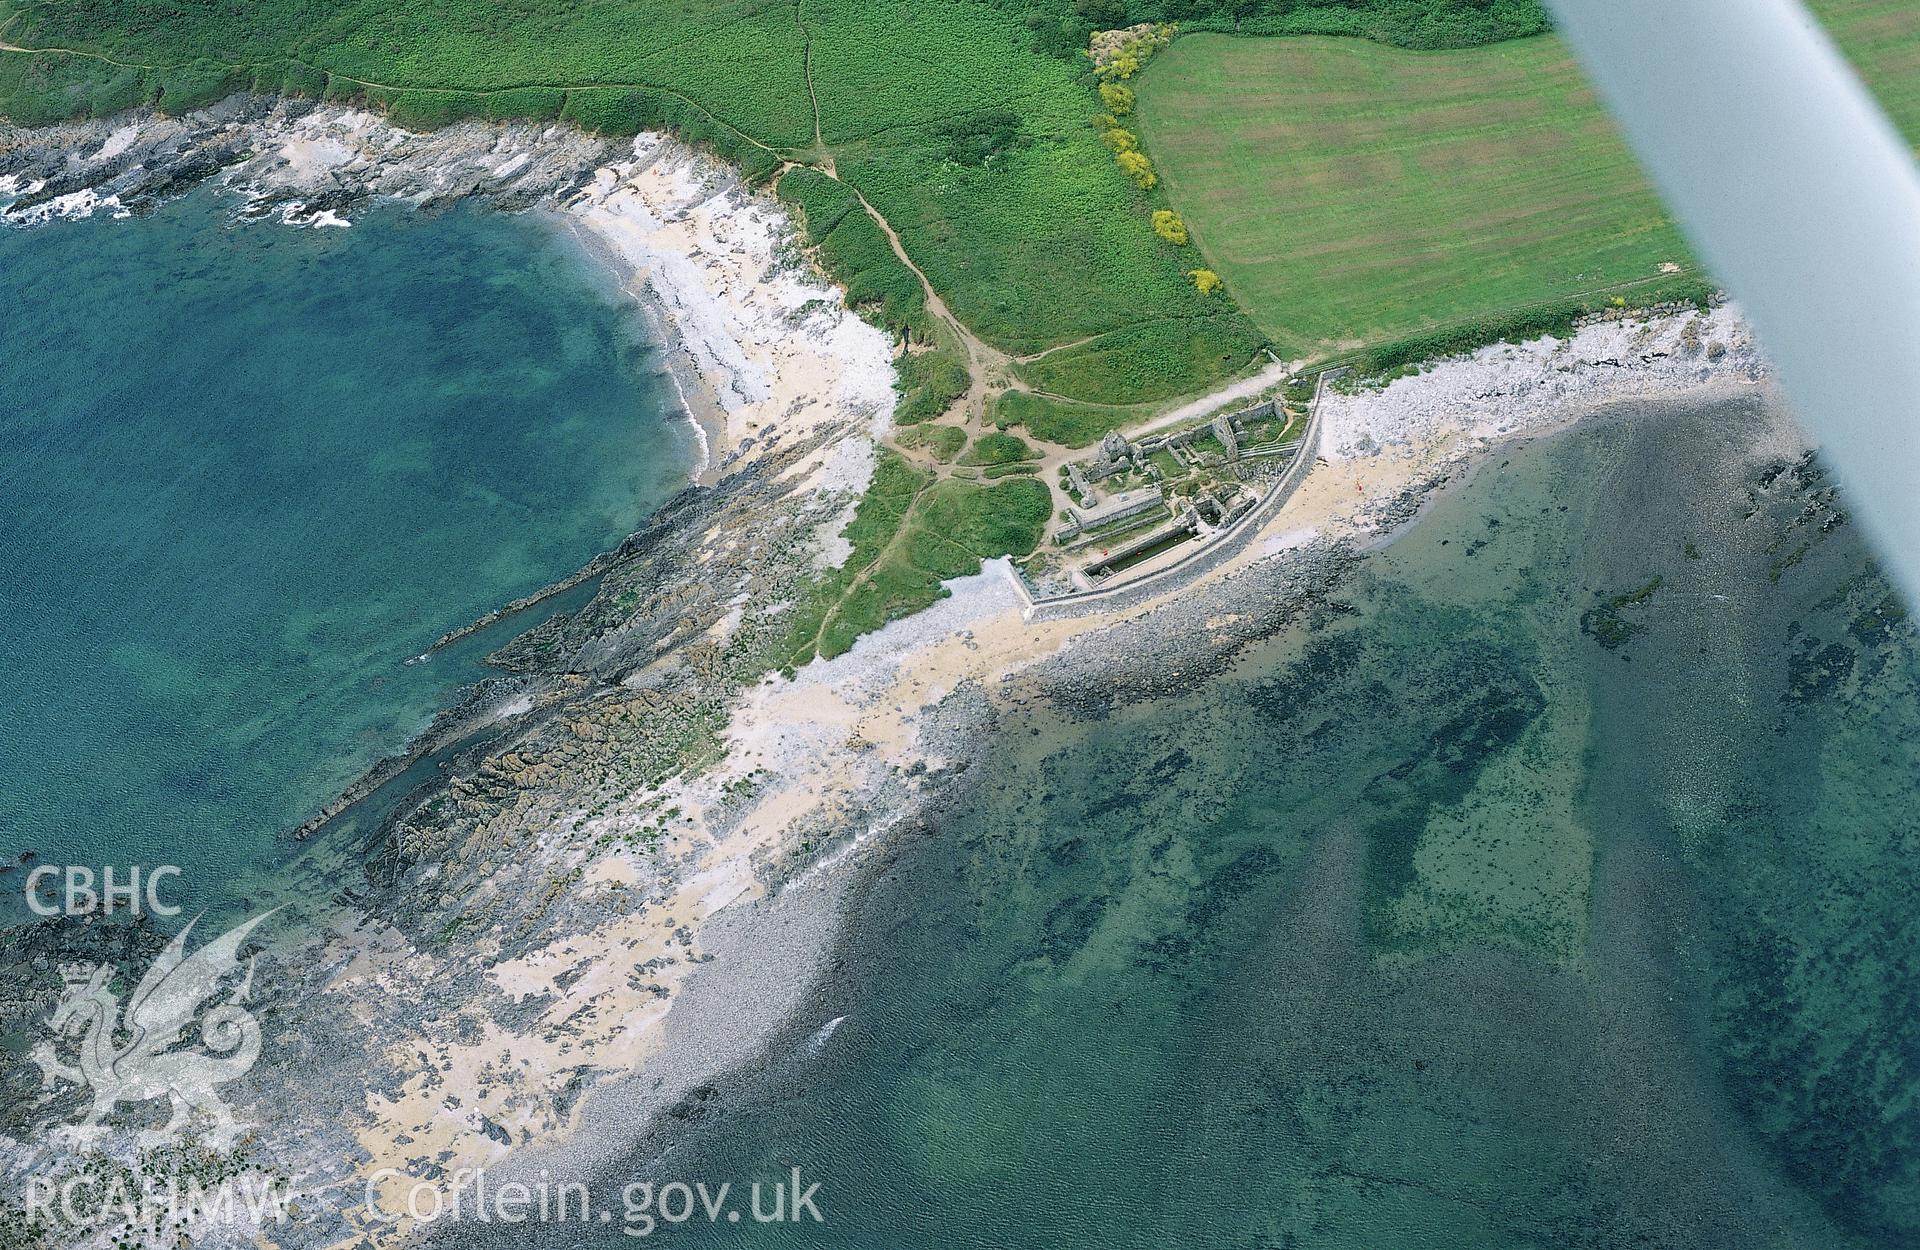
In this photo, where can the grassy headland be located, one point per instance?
(909, 533)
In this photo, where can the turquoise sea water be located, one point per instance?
(249, 470)
(1555, 888)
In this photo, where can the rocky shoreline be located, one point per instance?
(300, 161)
(625, 878)
(541, 818)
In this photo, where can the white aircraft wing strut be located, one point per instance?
(1801, 198)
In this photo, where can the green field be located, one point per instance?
(1352, 193)
(1066, 424)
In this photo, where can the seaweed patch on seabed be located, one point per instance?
(1497, 702)
(1850, 639)
(1815, 898)
(1802, 505)
(1615, 622)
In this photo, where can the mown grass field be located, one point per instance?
(1351, 193)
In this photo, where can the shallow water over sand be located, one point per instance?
(251, 470)
(1556, 889)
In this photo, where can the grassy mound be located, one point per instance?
(943, 442)
(997, 449)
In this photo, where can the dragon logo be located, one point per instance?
(134, 1059)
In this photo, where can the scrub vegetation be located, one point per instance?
(851, 243)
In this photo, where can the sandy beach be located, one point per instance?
(765, 348)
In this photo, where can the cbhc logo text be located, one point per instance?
(76, 890)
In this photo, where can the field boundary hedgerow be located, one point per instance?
(395, 94)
